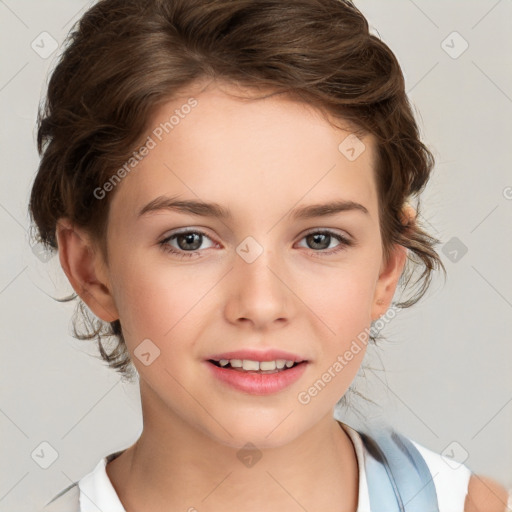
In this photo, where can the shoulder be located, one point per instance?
(451, 479)
(457, 485)
(485, 495)
(458, 489)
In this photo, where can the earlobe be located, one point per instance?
(83, 266)
(391, 271)
(388, 280)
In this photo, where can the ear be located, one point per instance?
(85, 268)
(391, 271)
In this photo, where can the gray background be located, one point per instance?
(447, 381)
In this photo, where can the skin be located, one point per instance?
(259, 158)
(485, 495)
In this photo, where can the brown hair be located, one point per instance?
(124, 58)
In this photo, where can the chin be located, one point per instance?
(263, 429)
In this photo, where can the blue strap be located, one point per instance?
(398, 477)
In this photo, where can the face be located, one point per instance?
(262, 282)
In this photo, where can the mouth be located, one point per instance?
(254, 366)
(257, 373)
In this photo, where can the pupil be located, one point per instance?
(315, 240)
(189, 240)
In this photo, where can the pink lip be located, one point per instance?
(258, 355)
(257, 383)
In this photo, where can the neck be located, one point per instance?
(175, 467)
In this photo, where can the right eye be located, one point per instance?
(188, 242)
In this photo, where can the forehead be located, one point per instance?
(263, 154)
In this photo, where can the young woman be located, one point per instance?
(227, 185)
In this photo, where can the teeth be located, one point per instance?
(267, 365)
(250, 365)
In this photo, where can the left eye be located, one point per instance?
(321, 240)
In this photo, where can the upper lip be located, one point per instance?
(270, 354)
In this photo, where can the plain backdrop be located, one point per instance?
(444, 375)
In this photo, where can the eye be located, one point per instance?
(322, 239)
(188, 243)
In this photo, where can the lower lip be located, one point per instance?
(258, 383)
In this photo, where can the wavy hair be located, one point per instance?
(124, 58)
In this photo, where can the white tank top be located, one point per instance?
(97, 492)
(451, 484)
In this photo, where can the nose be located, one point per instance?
(259, 294)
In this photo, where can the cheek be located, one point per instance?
(157, 302)
(341, 298)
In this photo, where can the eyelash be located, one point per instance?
(344, 243)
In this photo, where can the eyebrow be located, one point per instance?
(209, 209)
